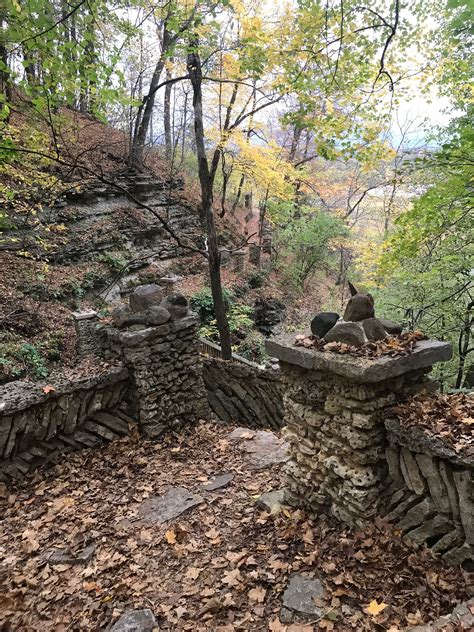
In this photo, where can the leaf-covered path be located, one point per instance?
(224, 564)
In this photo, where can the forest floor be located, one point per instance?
(222, 565)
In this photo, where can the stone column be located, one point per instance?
(254, 254)
(334, 410)
(85, 323)
(238, 257)
(156, 337)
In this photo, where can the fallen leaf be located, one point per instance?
(48, 389)
(257, 594)
(170, 536)
(193, 572)
(374, 608)
(232, 578)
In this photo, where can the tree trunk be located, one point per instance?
(463, 344)
(145, 111)
(239, 193)
(206, 179)
(5, 86)
(167, 115)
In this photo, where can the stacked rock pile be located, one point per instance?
(358, 324)
(156, 337)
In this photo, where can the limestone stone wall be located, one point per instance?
(166, 372)
(152, 378)
(337, 438)
(431, 495)
(335, 407)
(243, 393)
(38, 421)
(155, 336)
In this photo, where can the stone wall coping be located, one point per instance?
(368, 370)
(88, 314)
(19, 395)
(417, 440)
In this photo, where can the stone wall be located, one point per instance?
(334, 410)
(166, 372)
(242, 392)
(152, 377)
(350, 457)
(431, 496)
(38, 421)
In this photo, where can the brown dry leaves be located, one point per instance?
(449, 417)
(222, 566)
(392, 346)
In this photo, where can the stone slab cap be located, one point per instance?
(87, 314)
(371, 370)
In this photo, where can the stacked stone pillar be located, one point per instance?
(335, 406)
(156, 337)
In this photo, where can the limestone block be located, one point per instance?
(71, 419)
(438, 492)
(411, 472)
(401, 509)
(145, 296)
(359, 307)
(438, 525)
(373, 329)
(359, 475)
(358, 439)
(464, 484)
(5, 427)
(395, 498)
(393, 460)
(451, 540)
(456, 556)
(347, 333)
(157, 315)
(447, 478)
(365, 421)
(417, 514)
(391, 327)
(368, 406)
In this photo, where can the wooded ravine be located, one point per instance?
(263, 159)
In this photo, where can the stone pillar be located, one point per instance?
(254, 255)
(85, 323)
(335, 407)
(157, 339)
(238, 257)
(267, 245)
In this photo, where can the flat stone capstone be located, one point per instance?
(357, 369)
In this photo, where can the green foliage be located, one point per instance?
(29, 359)
(257, 279)
(253, 347)
(116, 261)
(25, 359)
(240, 323)
(307, 243)
(425, 272)
(201, 302)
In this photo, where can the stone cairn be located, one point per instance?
(156, 338)
(335, 407)
(357, 326)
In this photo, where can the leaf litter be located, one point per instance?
(449, 417)
(223, 565)
(391, 346)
